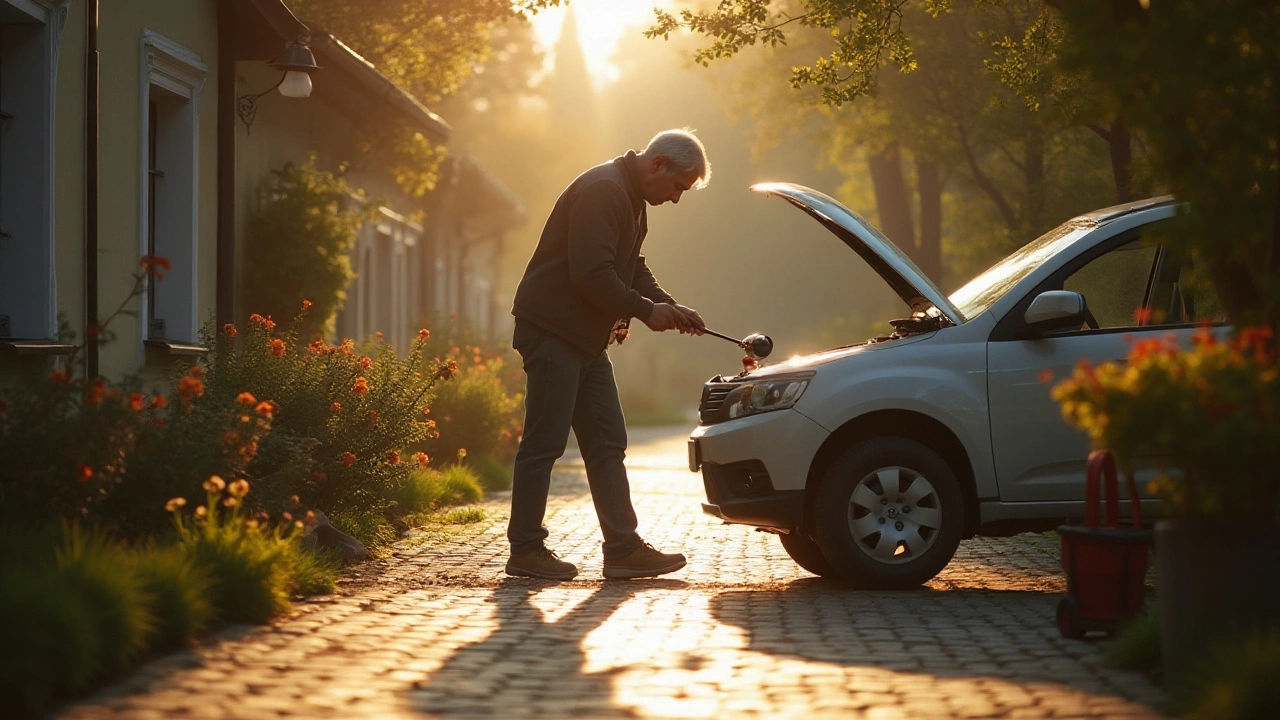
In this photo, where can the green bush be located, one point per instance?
(1238, 681)
(301, 241)
(494, 474)
(370, 527)
(248, 566)
(180, 588)
(1136, 646)
(476, 413)
(342, 418)
(312, 572)
(49, 636)
(101, 571)
(429, 489)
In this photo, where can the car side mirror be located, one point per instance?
(1054, 310)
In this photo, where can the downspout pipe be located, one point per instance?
(93, 93)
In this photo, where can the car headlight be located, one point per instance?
(765, 395)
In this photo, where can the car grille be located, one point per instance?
(712, 410)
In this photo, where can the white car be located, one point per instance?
(871, 462)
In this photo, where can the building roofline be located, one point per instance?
(342, 57)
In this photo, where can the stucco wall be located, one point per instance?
(193, 25)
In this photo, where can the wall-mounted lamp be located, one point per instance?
(297, 62)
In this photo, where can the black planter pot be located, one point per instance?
(1215, 580)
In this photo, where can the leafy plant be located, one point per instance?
(476, 413)
(1136, 646)
(1237, 681)
(341, 420)
(302, 234)
(1156, 405)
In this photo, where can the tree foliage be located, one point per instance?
(1201, 80)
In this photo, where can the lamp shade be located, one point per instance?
(296, 84)
(297, 56)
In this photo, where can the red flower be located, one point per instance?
(348, 459)
(155, 265)
(277, 347)
(306, 305)
(361, 388)
(246, 398)
(365, 363)
(137, 401)
(197, 371)
(158, 402)
(1046, 376)
(421, 458)
(1142, 316)
(423, 334)
(335, 406)
(58, 377)
(316, 347)
(229, 329)
(393, 458)
(85, 472)
(265, 409)
(95, 392)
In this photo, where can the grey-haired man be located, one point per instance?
(585, 281)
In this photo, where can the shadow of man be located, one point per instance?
(530, 666)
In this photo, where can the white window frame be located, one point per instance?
(178, 70)
(52, 14)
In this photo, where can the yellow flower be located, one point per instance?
(201, 511)
(175, 503)
(239, 488)
(215, 484)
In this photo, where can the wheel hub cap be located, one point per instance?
(894, 515)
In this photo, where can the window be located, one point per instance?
(29, 34)
(172, 80)
(1115, 284)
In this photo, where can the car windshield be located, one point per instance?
(980, 293)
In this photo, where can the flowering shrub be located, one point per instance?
(1210, 411)
(341, 419)
(302, 239)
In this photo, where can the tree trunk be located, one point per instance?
(929, 189)
(1120, 141)
(892, 202)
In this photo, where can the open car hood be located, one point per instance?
(907, 280)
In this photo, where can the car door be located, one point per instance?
(1038, 457)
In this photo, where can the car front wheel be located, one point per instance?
(806, 553)
(890, 514)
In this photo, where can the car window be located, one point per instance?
(1114, 285)
(1182, 295)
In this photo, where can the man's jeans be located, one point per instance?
(569, 389)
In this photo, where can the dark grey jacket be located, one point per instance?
(587, 271)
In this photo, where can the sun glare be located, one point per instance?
(601, 24)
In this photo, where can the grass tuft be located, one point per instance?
(180, 589)
(461, 516)
(1136, 646)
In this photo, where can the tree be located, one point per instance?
(1201, 81)
(974, 106)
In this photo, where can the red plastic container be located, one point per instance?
(1106, 564)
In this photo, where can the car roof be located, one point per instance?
(1107, 214)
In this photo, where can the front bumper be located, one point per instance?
(754, 469)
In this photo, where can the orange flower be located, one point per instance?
(175, 503)
(348, 459)
(277, 347)
(215, 484)
(295, 499)
(137, 401)
(231, 437)
(158, 402)
(189, 388)
(95, 392)
(239, 488)
(1142, 316)
(197, 371)
(335, 406)
(201, 511)
(393, 458)
(155, 265)
(361, 388)
(365, 363)
(454, 350)
(426, 411)
(477, 359)
(85, 472)
(348, 346)
(306, 304)
(421, 458)
(57, 377)
(229, 329)
(246, 398)
(1046, 376)
(423, 334)
(316, 347)
(265, 409)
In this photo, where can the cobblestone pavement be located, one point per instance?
(439, 631)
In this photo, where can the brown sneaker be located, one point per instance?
(541, 563)
(646, 561)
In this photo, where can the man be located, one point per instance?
(585, 281)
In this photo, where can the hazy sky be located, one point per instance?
(601, 23)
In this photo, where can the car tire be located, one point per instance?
(865, 524)
(806, 553)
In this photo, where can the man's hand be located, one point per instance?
(666, 316)
(696, 325)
